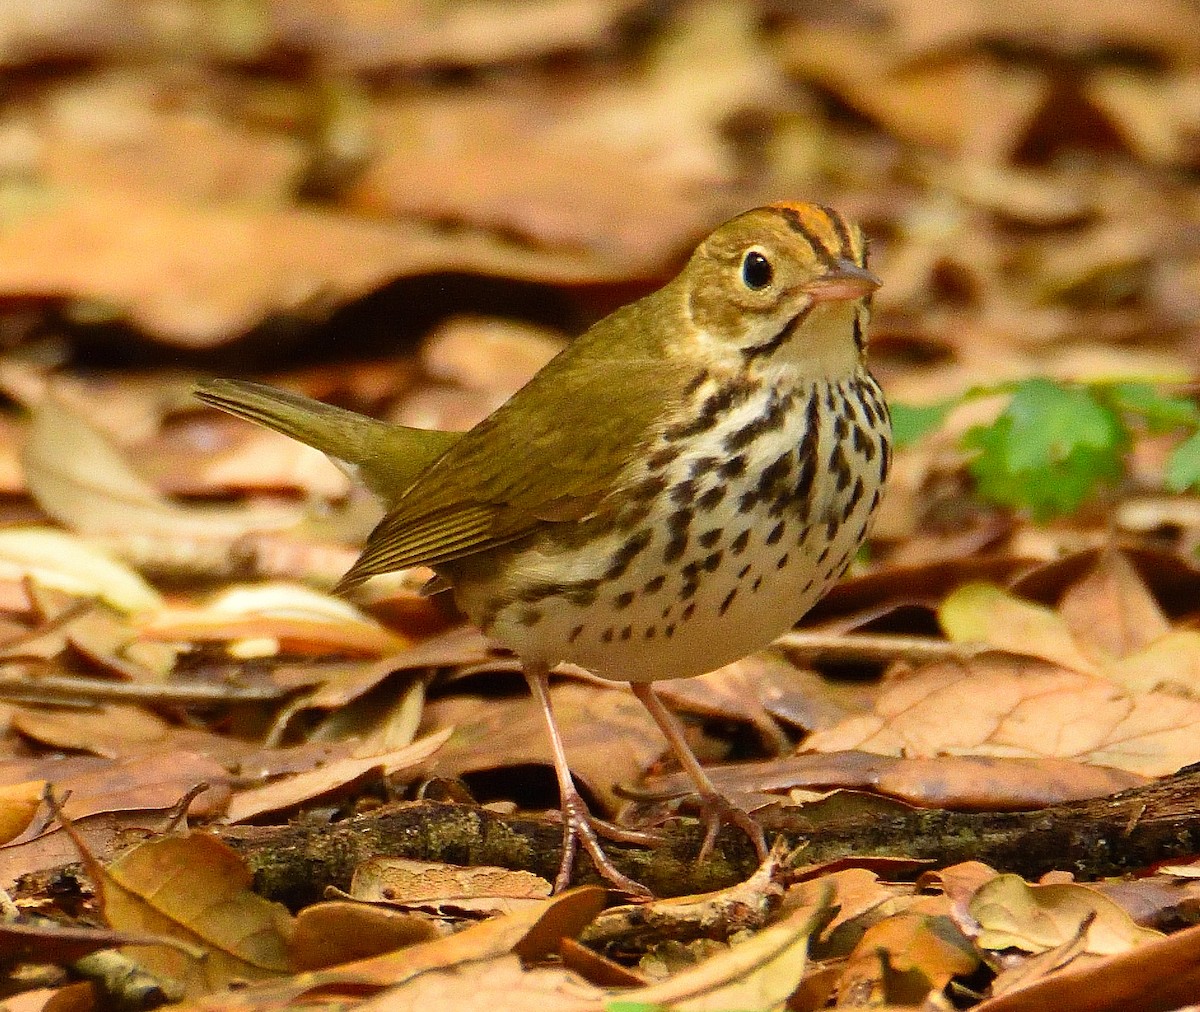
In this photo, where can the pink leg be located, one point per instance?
(716, 807)
(579, 826)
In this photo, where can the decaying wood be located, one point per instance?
(1094, 838)
(1099, 837)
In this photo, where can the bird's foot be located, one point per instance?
(581, 828)
(717, 810)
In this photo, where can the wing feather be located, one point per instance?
(568, 438)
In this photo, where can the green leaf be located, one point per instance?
(1050, 422)
(1049, 449)
(912, 421)
(1183, 466)
(1161, 412)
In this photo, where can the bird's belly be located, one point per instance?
(723, 560)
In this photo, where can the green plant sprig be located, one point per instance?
(1055, 443)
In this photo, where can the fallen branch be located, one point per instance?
(1094, 838)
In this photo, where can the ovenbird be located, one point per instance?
(670, 493)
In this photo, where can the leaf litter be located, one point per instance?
(406, 210)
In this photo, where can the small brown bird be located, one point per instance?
(670, 493)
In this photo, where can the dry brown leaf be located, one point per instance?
(983, 613)
(64, 562)
(1007, 706)
(760, 973)
(288, 792)
(150, 781)
(498, 982)
(79, 477)
(538, 929)
(78, 997)
(45, 941)
(903, 959)
(112, 731)
(860, 900)
(1108, 624)
(1111, 611)
(1163, 27)
(196, 889)
(1155, 977)
(1012, 914)
(275, 617)
(409, 34)
(398, 880)
(198, 275)
(943, 781)
(18, 803)
(338, 931)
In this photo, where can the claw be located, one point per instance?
(716, 809)
(580, 829)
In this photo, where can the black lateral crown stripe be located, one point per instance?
(846, 245)
(823, 252)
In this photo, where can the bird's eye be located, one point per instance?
(757, 271)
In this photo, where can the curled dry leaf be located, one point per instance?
(1107, 624)
(18, 803)
(532, 933)
(1011, 914)
(760, 973)
(276, 616)
(1159, 975)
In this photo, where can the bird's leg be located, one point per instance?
(579, 825)
(716, 808)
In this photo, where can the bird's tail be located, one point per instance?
(388, 458)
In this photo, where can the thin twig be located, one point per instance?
(62, 688)
(876, 647)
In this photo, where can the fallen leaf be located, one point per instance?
(79, 477)
(942, 781)
(760, 973)
(1034, 918)
(904, 959)
(983, 613)
(196, 889)
(288, 792)
(18, 803)
(1157, 976)
(68, 563)
(538, 928)
(408, 882)
(326, 934)
(1007, 706)
(1111, 611)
